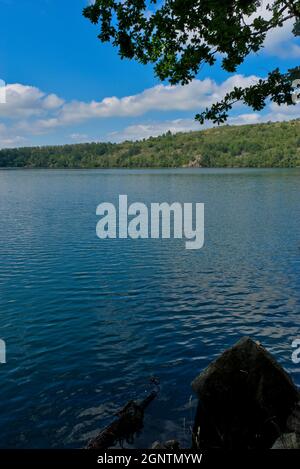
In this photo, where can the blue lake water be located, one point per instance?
(87, 322)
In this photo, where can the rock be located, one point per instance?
(195, 163)
(129, 422)
(293, 422)
(287, 441)
(157, 445)
(171, 445)
(245, 399)
(290, 439)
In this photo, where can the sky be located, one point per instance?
(62, 85)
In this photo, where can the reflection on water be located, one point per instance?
(88, 322)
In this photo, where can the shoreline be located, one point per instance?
(246, 400)
(154, 168)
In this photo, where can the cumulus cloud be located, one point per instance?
(194, 96)
(27, 101)
(9, 138)
(280, 42)
(29, 112)
(153, 129)
(78, 137)
(274, 113)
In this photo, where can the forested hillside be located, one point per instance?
(260, 145)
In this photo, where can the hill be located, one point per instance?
(259, 145)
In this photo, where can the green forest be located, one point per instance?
(258, 145)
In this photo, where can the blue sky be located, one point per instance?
(64, 86)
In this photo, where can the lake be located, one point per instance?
(87, 322)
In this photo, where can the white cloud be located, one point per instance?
(77, 137)
(274, 113)
(8, 138)
(247, 118)
(283, 112)
(51, 101)
(279, 42)
(194, 96)
(153, 129)
(27, 101)
(30, 112)
(35, 112)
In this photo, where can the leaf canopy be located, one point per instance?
(179, 36)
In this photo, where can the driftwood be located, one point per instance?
(130, 421)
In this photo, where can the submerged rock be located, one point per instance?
(290, 439)
(293, 422)
(245, 399)
(130, 421)
(287, 441)
(172, 445)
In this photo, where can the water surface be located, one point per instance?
(88, 322)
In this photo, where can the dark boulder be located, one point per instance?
(245, 399)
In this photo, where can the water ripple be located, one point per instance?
(88, 322)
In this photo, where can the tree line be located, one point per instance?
(259, 145)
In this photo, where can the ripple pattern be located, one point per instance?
(88, 322)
